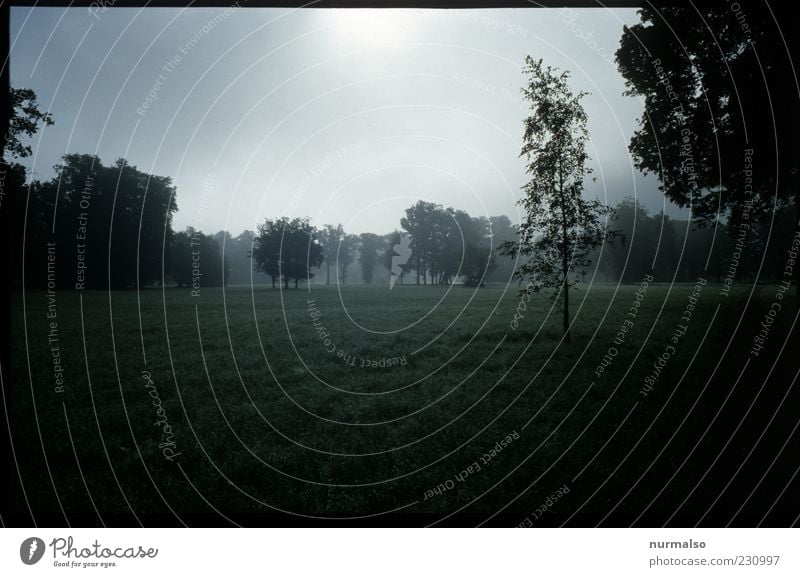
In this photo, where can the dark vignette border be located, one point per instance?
(9, 514)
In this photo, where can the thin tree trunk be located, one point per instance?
(564, 255)
(567, 337)
(328, 269)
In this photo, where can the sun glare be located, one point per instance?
(373, 27)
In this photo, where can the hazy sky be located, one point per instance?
(339, 115)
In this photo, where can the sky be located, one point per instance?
(342, 116)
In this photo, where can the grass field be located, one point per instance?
(430, 404)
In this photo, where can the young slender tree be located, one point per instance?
(560, 228)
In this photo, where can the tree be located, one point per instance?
(140, 208)
(419, 223)
(396, 256)
(479, 262)
(266, 252)
(196, 260)
(287, 250)
(345, 255)
(371, 246)
(467, 250)
(454, 231)
(558, 221)
(24, 119)
(442, 235)
(19, 219)
(721, 108)
(237, 252)
(501, 231)
(709, 91)
(28, 208)
(301, 250)
(114, 224)
(329, 238)
(639, 228)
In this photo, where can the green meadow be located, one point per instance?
(434, 404)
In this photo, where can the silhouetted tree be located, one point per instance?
(345, 256)
(329, 237)
(419, 223)
(24, 120)
(502, 231)
(111, 226)
(390, 256)
(719, 128)
(709, 96)
(371, 246)
(266, 253)
(479, 262)
(287, 250)
(558, 220)
(236, 250)
(196, 260)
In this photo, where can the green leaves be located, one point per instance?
(24, 118)
(560, 228)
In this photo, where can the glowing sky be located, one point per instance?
(339, 115)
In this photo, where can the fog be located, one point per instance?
(338, 115)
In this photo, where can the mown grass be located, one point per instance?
(267, 418)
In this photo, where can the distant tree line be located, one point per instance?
(113, 228)
(446, 246)
(719, 126)
(94, 226)
(683, 250)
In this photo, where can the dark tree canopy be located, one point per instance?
(502, 231)
(391, 257)
(111, 225)
(287, 249)
(24, 119)
(345, 256)
(720, 126)
(479, 262)
(443, 238)
(196, 261)
(329, 237)
(371, 246)
(419, 223)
